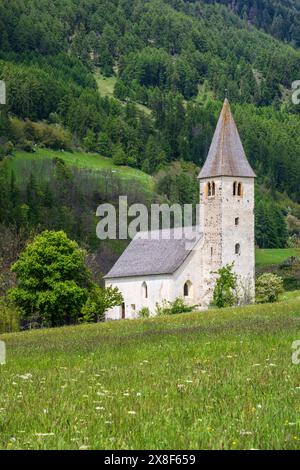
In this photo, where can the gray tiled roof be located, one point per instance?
(150, 253)
(226, 156)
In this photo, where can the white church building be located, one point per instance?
(153, 270)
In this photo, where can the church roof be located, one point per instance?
(150, 253)
(226, 156)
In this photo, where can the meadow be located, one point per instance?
(106, 86)
(212, 380)
(275, 256)
(24, 162)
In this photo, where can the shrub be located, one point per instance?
(99, 300)
(268, 287)
(173, 308)
(119, 156)
(144, 313)
(225, 292)
(293, 241)
(27, 145)
(9, 317)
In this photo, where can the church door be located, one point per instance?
(123, 310)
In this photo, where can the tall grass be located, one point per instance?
(213, 380)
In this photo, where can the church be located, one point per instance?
(154, 270)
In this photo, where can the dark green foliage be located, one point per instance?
(270, 223)
(9, 317)
(177, 58)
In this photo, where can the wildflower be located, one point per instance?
(25, 376)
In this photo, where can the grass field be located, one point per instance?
(106, 87)
(271, 257)
(213, 380)
(21, 161)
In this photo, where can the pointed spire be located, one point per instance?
(226, 156)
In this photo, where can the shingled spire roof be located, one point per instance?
(226, 156)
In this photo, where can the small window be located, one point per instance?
(187, 289)
(133, 307)
(237, 221)
(235, 188)
(211, 252)
(211, 189)
(145, 290)
(237, 249)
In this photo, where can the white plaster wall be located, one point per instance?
(191, 270)
(159, 288)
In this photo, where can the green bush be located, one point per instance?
(9, 317)
(100, 300)
(225, 292)
(119, 156)
(173, 308)
(268, 287)
(144, 313)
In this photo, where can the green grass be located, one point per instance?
(106, 86)
(290, 295)
(212, 380)
(23, 160)
(269, 257)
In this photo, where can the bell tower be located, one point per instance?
(227, 184)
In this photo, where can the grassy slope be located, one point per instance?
(221, 379)
(106, 87)
(274, 256)
(22, 160)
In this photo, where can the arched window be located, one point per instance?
(187, 289)
(145, 290)
(237, 249)
(235, 188)
(213, 188)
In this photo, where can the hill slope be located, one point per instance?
(142, 82)
(212, 380)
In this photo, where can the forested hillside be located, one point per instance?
(172, 62)
(279, 18)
